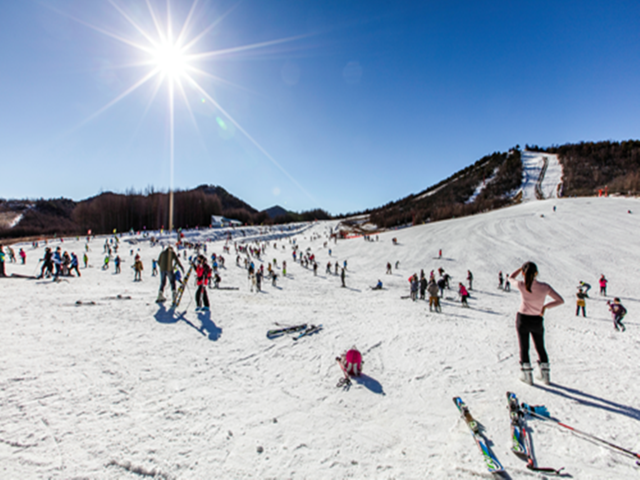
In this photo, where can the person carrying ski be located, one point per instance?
(530, 319)
(463, 294)
(581, 302)
(434, 300)
(167, 261)
(617, 312)
(603, 285)
(203, 274)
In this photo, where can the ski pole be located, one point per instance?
(531, 411)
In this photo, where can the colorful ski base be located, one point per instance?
(308, 331)
(490, 460)
(279, 332)
(180, 292)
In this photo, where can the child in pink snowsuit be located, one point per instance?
(463, 294)
(603, 285)
(352, 362)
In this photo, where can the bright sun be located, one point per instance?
(170, 60)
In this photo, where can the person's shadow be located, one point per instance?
(208, 326)
(371, 383)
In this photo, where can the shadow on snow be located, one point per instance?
(208, 327)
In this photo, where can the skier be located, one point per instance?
(47, 265)
(423, 285)
(530, 318)
(603, 285)
(2, 272)
(441, 284)
(413, 280)
(154, 267)
(581, 302)
(167, 261)
(617, 312)
(351, 362)
(203, 274)
(470, 279)
(388, 268)
(507, 285)
(23, 256)
(500, 280)
(434, 300)
(342, 277)
(74, 264)
(117, 262)
(463, 294)
(137, 267)
(85, 259)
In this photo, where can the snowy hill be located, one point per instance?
(97, 381)
(542, 176)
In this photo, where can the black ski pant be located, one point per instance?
(531, 325)
(202, 296)
(584, 311)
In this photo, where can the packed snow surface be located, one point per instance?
(117, 387)
(542, 175)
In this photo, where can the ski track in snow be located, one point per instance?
(120, 388)
(535, 163)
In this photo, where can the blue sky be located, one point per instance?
(367, 102)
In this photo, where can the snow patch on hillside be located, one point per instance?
(541, 176)
(482, 186)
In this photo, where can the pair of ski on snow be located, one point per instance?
(521, 444)
(302, 330)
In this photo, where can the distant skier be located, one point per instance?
(117, 261)
(413, 280)
(388, 268)
(500, 280)
(617, 312)
(137, 268)
(581, 302)
(603, 285)
(463, 294)
(507, 285)
(434, 300)
(2, 258)
(423, 285)
(342, 277)
(154, 267)
(74, 264)
(23, 256)
(530, 321)
(470, 279)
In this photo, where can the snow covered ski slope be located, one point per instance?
(98, 381)
(542, 176)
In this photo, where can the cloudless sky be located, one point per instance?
(366, 102)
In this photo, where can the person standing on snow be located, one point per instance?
(167, 261)
(203, 274)
(2, 257)
(434, 300)
(463, 294)
(617, 312)
(342, 277)
(530, 319)
(74, 264)
(603, 285)
(470, 279)
(581, 303)
(423, 285)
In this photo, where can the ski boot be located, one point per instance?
(160, 298)
(545, 373)
(527, 374)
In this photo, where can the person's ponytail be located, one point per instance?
(529, 270)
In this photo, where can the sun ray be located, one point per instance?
(156, 22)
(186, 23)
(127, 92)
(103, 31)
(150, 39)
(209, 28)
(222, 80)
(251, 139)
(253, 46)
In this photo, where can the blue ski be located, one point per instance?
(490, 459)
(310, 330)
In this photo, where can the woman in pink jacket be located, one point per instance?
(530, 321)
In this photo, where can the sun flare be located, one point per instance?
(170, 60)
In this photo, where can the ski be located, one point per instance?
(490, 459)
(346, 381)
(521, 442)
(180, 292)
(278, 332)
(308, 331)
